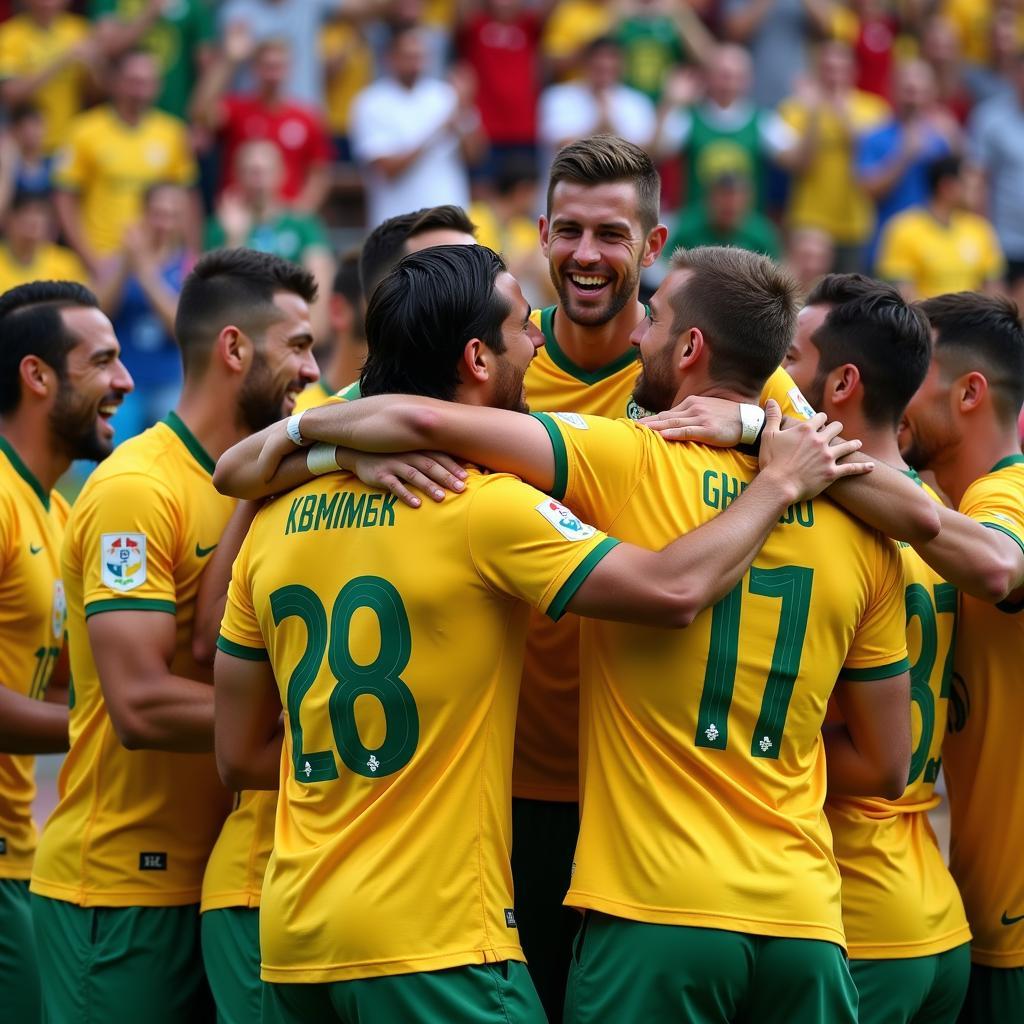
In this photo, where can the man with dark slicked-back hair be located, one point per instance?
(120, 868)
(61, 380)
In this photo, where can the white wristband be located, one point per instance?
(321, 458)
(751, 421)
(291, 428)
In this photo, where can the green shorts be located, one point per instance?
(916, 990)
(477, 994)
(19, 970)
(231, 955)
(628, 972)
(102, 964)
(543, 845)
(994, 995)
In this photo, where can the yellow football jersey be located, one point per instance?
(899, 899)
(936, 258)
(982, 754)
(397, 645)
(32, 616)
(547, 756)
(26, 48)
(312, 396)
(110, 164)
(703, 773)
(235, 870)
(51, 263)
(135, 827)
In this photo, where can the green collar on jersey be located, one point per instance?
(188, 439)
(1010, 460)
(24, 472)
(563, 362)
(912, 473)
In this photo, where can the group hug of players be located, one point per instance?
(640, 665)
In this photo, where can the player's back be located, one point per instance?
(396, 638)
(703, 762)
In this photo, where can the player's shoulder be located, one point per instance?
(1005, 479)
(146, 461)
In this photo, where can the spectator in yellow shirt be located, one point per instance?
(27, 252)
(506, 222)
(828, 114)
(940, 247)
(571, 28)
(114, 153)
(48, 56)
(348, 67)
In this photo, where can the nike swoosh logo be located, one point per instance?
(202, 552)
(1011, 920)
(33, 550)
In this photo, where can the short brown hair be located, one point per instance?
(605, 160)
(744, 304)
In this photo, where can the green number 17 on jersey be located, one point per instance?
(791, 584)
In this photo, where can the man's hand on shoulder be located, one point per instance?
(802, 458)
(714, 421)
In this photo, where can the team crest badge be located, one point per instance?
(574, 419)
(59, 616)
(802, 406)
(635, 411)
(123, 560)
(564, 521)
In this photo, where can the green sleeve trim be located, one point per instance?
(565, 593)
(130, 604)
(241, 651)
(1009, 533)
(558, 449)
(869, 675)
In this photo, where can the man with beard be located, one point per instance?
(117, 876)
(962, 425)
(694, 921)
(599, 231)
(393, 640)
(61, 379)
(859, 353)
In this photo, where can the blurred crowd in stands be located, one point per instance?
(877, 135)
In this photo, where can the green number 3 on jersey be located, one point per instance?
(380, 679)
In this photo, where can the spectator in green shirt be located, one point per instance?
(181, 35)
(250, 214)
(726, 217)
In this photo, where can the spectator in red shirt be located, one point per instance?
(500, 43)
(873, 46)
(266, 114)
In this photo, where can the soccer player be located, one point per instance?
(61, 379)
(388, 895)
(600, 230)
(704, 859)
(962, 425)
(120, 864)
(859, 354)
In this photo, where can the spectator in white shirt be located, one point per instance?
(596, 104)
(412, 135)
